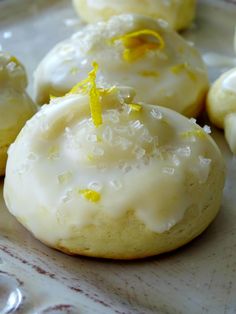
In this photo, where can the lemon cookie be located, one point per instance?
(16, 107)
(134, 51)
(104, 176)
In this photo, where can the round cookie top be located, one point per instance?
(134, 51)
(178, 13)
(97, 151)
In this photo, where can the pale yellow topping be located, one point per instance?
(135, 107)
(146, 73)
(90, 195)
(137, 44)
(89, 86)
(176, 69)
(107, 91)
(95, 104)
(81, 87)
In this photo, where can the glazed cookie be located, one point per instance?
(15, 105)
(178, 13)
(221, 106)
(103, 176)
(134, 51)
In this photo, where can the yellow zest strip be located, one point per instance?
(149, 73)
(197, 133)
(88, 85)
(107, 91)
(183, 67)
(136, 46)
(135, 107)
(90, 195)
(95, 104)
(82, 86)
(176, 69)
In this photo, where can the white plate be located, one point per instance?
(199, 278)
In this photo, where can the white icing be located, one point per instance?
(229, 82)
(149, 177)
(151, 76)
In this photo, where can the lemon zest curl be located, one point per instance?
(135, 107)
(136, 45)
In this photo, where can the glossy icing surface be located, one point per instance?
(163, 68)
(93, 169)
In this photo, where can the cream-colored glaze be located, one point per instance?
(179, 14)
(16, 107)
(60, 152)
(152, 75)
